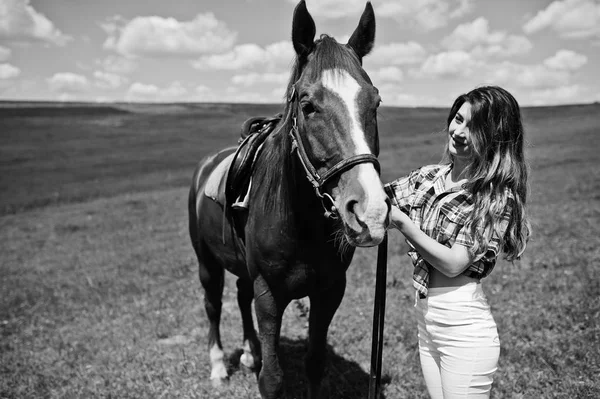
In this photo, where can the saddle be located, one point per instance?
(254, 131)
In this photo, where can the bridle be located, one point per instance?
(319, 181)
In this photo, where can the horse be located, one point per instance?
(315, 195)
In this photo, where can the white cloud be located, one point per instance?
(158, 36)
(5, 53)
(202, 89)
(280, 53)
(397, 54)
(422, 14)
(64, 97)
(511, 45)
(174, 90)
(393, 94)
(8, 71)
(334, 8)
(573, 19)
(118, 64)
(238, 94)
(477, 38)
(446, 65)
(538, 77)
(20, 22)
(242, 56)
(142, 90)
(68, 82)
(152, 93)
(106, 80)
(250, 79)
(566, 60)
(557, 95)
(234, 95)
(249, 55)
(387, 74)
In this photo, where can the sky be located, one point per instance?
(427, 52)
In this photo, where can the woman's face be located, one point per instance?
(460, 144)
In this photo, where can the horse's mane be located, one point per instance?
(279, 178)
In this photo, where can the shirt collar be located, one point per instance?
(439, 179)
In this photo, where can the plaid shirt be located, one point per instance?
(441, 214)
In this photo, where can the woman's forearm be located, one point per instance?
(450, 261)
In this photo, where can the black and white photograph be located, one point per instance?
(300, 199)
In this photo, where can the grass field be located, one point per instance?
(98, 281)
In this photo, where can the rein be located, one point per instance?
(378, 320)
(318, 181)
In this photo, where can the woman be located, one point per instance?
(457, 217)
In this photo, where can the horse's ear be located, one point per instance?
(303, 30)
(363, 38)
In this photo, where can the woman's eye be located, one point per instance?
(458, 118)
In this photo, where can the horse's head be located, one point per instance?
(334, 106)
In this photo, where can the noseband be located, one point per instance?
(318, 181)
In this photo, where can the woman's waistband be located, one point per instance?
(465, 291)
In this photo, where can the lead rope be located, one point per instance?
(378, 320)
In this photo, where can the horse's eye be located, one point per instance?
(376, 109)
(308, 109)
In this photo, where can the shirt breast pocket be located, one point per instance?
(450, 227)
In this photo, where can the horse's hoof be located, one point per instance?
(247, 360)
(218, 382)
(218, 375)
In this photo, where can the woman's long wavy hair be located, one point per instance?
(498, 171)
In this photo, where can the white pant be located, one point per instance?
(458, 342)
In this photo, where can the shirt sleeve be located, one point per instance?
(401, 191)
(464, 237)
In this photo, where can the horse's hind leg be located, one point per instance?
(251, 357)
(212, 278)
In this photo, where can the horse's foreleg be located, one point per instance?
(322, 309)
(269, 314)
(212, 278)
(251, 356)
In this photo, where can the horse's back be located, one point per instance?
(210, 232)
(201, 176)
(205, 167)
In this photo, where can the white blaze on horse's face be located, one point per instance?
(359, 195)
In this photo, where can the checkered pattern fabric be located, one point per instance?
(441, 214)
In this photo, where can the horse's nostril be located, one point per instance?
(350, 205)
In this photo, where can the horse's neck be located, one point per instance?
(286, 191)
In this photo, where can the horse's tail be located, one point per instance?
(192, 204)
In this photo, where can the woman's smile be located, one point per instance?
(459, 132)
